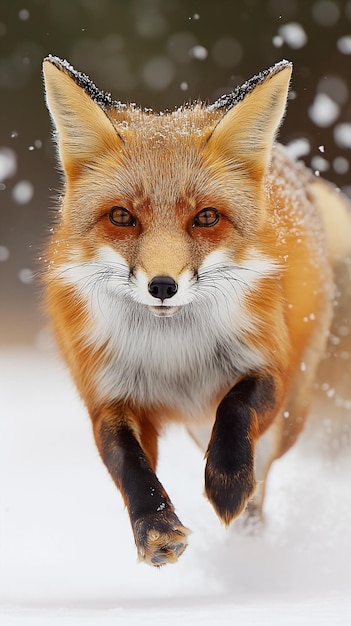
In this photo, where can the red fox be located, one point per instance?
(197, 274)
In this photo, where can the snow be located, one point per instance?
(199, 52)
(341, 165)
(23, 192)
(320, 164)
(4, 253)
(26, 275)
(299, 147)
(344, 44)
(67, 553)
(342, 135)
(8, 163)
(24, 15)
(277, 41)
(324, 111)
(335, 87)
(293, 35)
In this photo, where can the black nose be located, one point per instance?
(162, 287)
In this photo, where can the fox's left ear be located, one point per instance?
(245, 134)
(77, 109)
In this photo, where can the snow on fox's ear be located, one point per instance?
(76, 107)
(246, 132)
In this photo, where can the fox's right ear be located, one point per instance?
(83, 129)
(252, 115)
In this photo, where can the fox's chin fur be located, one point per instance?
(165, 311)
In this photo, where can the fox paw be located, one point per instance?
(227, 493)
(160, 538)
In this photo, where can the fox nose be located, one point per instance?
(162, 287)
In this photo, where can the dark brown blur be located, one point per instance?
(159, 54)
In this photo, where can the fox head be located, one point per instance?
(163, 201)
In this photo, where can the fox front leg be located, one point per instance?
(242, 416)
(159, 536)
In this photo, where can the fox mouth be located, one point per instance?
(164, 311)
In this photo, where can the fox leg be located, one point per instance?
(243, 414)
(264, 456)
(159, 535)
(281, 436)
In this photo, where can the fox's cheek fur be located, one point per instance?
(219, 283)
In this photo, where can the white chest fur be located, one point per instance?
(180, 361)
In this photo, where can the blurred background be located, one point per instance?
(159, 54)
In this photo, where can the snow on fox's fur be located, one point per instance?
(194, 275)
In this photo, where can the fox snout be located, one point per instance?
(163, 287)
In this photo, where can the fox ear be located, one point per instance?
(77, 110)
(246, 133)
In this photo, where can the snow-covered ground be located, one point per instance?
(67, 554)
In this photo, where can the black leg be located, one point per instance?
(229, 473)
(159, 535)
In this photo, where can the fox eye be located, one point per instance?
(119, 216)
(206, 217)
